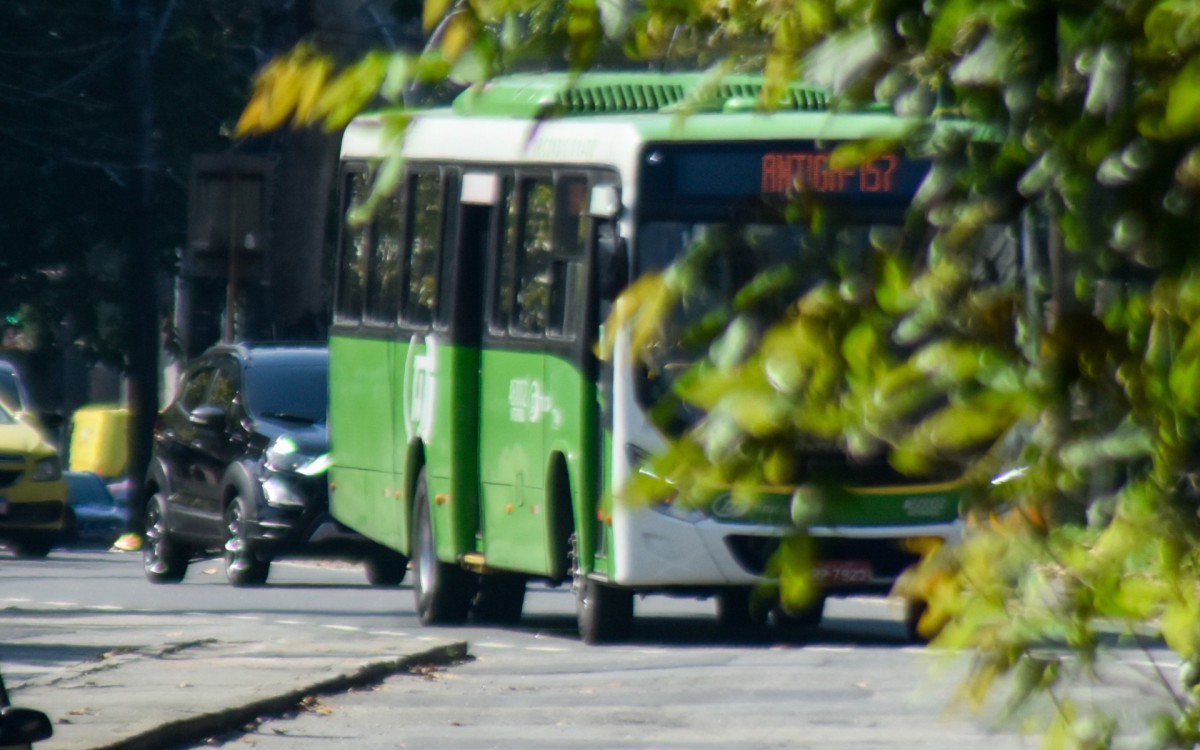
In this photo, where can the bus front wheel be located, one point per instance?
(443, 590)
(604, 613)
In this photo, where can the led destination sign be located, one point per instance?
(812, 172)
(730, 173)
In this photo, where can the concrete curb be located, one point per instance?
(194, 729)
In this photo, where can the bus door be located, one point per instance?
(469, 234)
(514, 398)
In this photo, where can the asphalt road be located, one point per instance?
(681, 682)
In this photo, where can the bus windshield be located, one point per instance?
(716, 261)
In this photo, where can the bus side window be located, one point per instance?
(352, 266)
(420, 291)
(383, 267)
(509, 234)
(534, 258)
(571, 228)
(451, 241)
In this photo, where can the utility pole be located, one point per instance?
(136, 19)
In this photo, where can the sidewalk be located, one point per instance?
(174, 687)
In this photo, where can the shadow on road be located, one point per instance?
(705, 632)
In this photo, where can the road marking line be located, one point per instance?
(61, 604)
(486, 644)
(21, 601)
(288, 622)
(343, 627)
(548, 649)
(389, 633)
(107, 607)
(243, 617)
(830, 649)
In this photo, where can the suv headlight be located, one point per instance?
(47, 469)
(284, 455)
(280, 494)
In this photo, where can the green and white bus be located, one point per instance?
(474, 428)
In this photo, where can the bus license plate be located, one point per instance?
(836, 572)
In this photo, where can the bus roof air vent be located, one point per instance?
(561, 95)
(636, 96)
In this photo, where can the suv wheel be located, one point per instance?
(242, 566)
(164, 559)
(30, 549)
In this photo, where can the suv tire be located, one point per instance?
(242, 566)
(164, 559)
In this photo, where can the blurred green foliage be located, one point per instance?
(1077, 379)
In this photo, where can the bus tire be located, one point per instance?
(385, 567)
(604, 613)
(500, 599)
(914, 610)
(807, 617)
(443, 590)
(736, 609)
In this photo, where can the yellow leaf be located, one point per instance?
(251, 118)
(311, 81)
(282, 95)
(457, 37)
(433, 12)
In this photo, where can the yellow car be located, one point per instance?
(33, 494)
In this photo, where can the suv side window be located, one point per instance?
(195, 388)
(225, 388)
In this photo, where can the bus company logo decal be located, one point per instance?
(925, 506)
(725, 507)
(420, 388)
(529, 403)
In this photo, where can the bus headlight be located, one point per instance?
(674, 510)
(639, 463)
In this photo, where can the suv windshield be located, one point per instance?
(291, 391)
(10, 388)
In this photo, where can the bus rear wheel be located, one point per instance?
(443, 590)
(604, 613)
(386, 568)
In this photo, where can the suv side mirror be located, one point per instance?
(612, 263)
(21, 726)
(212, 417)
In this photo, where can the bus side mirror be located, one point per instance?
(612, 264)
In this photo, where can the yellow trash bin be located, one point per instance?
(99, 440)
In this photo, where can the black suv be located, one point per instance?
(239, 468)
